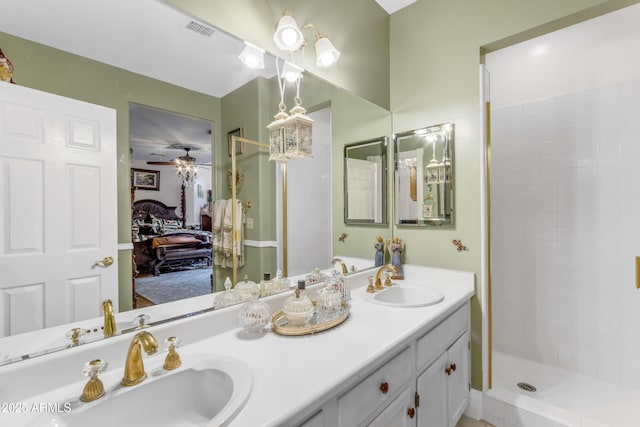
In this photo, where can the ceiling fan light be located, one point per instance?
(288, 36)
(326, 52)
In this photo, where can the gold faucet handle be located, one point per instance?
(172, 361)
(74, 335)
(371, 289)
(94, 389)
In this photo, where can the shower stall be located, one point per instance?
(565, 227)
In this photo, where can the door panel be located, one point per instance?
(58, 215)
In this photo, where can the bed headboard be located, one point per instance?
(158, 209)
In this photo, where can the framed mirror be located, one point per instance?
(365, 182)
(423, 178)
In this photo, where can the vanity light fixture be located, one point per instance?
(288, 36)
(291, 72)
(326, 52)
(252, 56)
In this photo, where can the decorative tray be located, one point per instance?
(279, 323)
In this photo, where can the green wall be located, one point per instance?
(51, 70)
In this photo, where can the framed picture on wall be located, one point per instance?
(239, 145)
(145, 179)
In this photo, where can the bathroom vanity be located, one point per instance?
(385, 365)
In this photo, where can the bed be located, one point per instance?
(160, 242)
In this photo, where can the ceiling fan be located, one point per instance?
(186, 159)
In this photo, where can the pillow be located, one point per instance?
(171, 224)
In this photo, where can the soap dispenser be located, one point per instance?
(298, 308)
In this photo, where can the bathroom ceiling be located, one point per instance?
(147, 37)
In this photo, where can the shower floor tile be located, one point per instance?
(568, 398)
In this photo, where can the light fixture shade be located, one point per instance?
(252, 56)
(291, 72)
(288, 36)
(326, 53)
(298, 129)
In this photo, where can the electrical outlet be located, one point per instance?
(250, 223)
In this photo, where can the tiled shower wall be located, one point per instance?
(565, 230)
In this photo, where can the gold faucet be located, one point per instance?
(109, 328)
(344, 266)
(381, 271)
(133, 367)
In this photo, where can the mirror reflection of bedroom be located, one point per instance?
(171, 194)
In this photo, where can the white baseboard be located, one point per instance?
(474, 410)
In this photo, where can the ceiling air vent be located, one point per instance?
(199, 28)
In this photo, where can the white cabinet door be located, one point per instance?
(399, 413)
(58, 216)
(444, 387)
(458, 380)
(432, 389)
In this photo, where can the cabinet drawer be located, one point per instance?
(438, 339)
(370, 394)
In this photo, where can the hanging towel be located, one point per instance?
(224, 238)
(217, 230)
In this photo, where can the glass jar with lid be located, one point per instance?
(227, 297)
(298, 308)
(255, 314)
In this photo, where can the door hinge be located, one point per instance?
(416, 400)
(469, 387)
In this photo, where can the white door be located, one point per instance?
(58, 213)
(361, 189)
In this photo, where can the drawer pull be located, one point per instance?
(448, 370)
(411, 412)
(384, 388)
(453, 366)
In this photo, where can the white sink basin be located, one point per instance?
(406, 295)
(209, 392)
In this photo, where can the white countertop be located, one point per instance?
(292, 376)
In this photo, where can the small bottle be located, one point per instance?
(265, 285)
(298, 308)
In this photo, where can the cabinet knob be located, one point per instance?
(384, 388)
(411, 412)
(450, 369)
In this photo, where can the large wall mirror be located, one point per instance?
(248, 102)
(365, 182)
(423, 181)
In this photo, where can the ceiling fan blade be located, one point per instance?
(161, 163)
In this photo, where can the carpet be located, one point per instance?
(175, 285)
